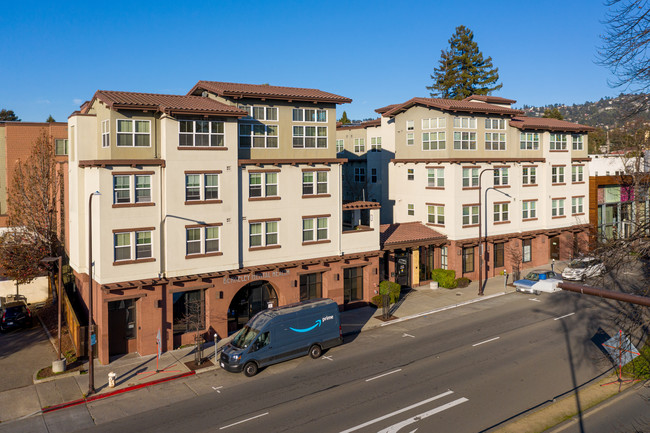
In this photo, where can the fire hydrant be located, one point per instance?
(111, 380)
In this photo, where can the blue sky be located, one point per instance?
(55, 56)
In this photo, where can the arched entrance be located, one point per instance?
(250, 300)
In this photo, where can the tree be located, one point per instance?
(50, 119)
(553, 113)
(344, 119)
(8, 115)
(462, 71)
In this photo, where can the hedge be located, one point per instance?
(445, 278)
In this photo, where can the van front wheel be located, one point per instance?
(315, 351)
(250, 369)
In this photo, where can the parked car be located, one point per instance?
(583, 268)
(15, 315)
(539, 281)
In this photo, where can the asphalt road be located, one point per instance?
(464, 370)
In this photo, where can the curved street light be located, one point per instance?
(91, 369)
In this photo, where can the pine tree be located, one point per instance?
(344, 119)
(50, 119)
(553, 113)
(8, 115)
(462, 71)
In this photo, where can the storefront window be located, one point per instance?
(189, 311)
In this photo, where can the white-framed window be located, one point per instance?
(309, 115)
(526, 250)
(106, 133)
(258, 136)
(465, 122)
(359, 174)
(529, 209)
(577, 141)
(436, 214)
(124, 243)
(501, 176)
(557, 174)
(557, 207)
(314, 182)
(443, 257)
(434, 123)
(309, 137)
(495, 124)
(410, 209)
(410, 125)
(433, 140)
(375, 144)
(577, 173)
(359, 145)
(495, 141)
(529, 141)
(577, 205)
(133, 133)
(315, 229)
(373, 175)
(263, 184)
(339, 145)
(61, 146)
(410, 138)
(470, 215)
(260, 112)
(470, 177)
(501, 213)
(201, 133)
(436, 177)
(464, 140)
(529, 175)
(202, 240)
(263, 234)
(558, 141)
(410, 174)
(131, 188)
(201, 186)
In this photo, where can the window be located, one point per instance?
(201, 187)
(339, 145)
(258, 136)
(558, 141)
(373, 175)
(352, 284)
(499, 250)
(262, 184)
(123, 242)
(410, 139)
(359, 174)
(526, 253)
(529, 141)
(577, 174)
(314, 182)
(410, 209)
(529, 175)
(443, 257)
(61, 147)
(470, 215)
(468, 259)
(436, 177)
(433, 140)
(577, 205)
(465, 140)
(529, 209)
(188, 311)
(106, 133)
(359, 145)
(375, 144)
(495, 124)
(410, 125)
(465, 122)
(436, 214)
(311, 286)
(200, 133)
(470, 177)
(501, 212)
(557, 207)
(202, 240)
(434, 123)
(263, 234)
(577, 142)
(495, 141)
(557, 174)
(501, 176)
(133, 132)
(123, 193)
(309, 115)
(314, 229)
(310, 137)
(410, 174)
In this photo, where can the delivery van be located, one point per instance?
(282, 333)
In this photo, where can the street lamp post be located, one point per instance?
(480, 244)
(91, 369)
(486, 226)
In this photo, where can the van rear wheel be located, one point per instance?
(315, 351)
(250, 369)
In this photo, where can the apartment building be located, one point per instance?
(212, 206)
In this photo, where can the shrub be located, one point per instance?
(463, 282)
(377, 301)
(390, 288)
(445, 278)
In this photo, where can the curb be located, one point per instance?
(55, 377)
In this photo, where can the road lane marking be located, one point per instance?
(486, 341)
(397, 412)
(408, 335)
(534, 299)
(396, 427)
(244, 420)
(217, 388)
(329, 358)
(566, 315)
(382, 375)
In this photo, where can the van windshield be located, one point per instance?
(245, 337)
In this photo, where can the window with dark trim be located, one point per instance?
(188, 311)
(311, 286)
(468, 259)
(499, 250)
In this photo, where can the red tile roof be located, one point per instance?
(548, 124)
(382, 110)
(238, 90)
(366, 124)
(414, 232)
(361, 205)
(169, 104)
(490, 99)
(452, 105)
